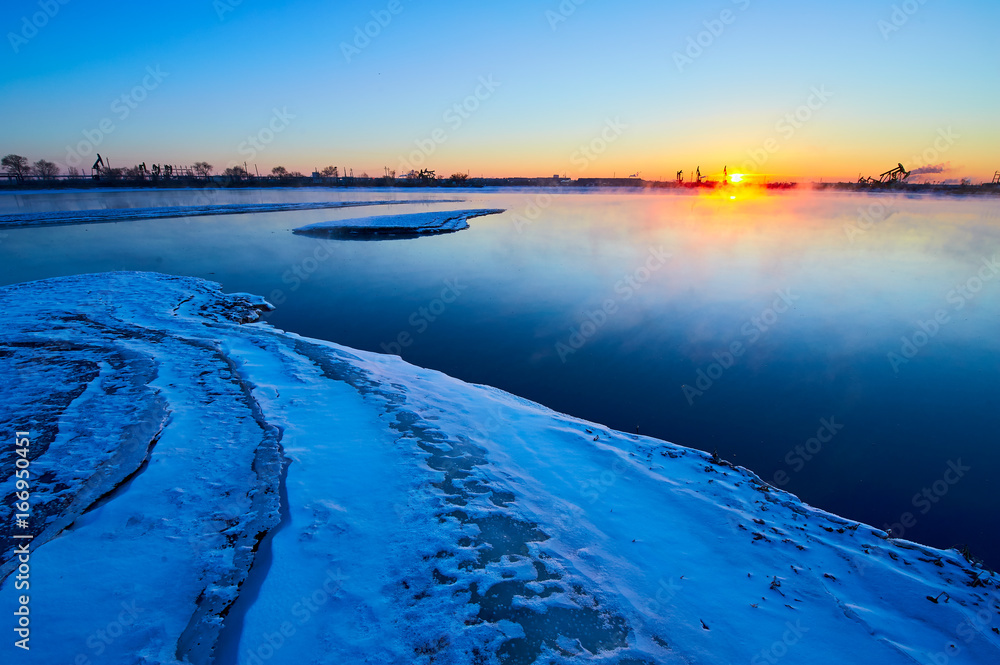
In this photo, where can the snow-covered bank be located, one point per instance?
(64, 217)
(427, 520)
(395, 226)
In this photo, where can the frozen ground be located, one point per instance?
(131, 214)
(210, 488)
(420, 223)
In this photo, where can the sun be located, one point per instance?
(736, 177)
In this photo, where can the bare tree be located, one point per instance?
(329, 172)
(16, 166)
(279, 171)
(204, 169)
(235, 172)
(46, 169)
(459, 177)
(73, 172)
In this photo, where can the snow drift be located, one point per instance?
(206, 488)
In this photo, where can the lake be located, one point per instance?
(842, 346)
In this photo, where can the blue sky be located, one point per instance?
(226, 67)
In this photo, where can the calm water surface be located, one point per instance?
(842, 346)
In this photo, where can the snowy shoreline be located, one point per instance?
(427, 518)
(97, 216)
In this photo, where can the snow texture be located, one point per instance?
(207, 488)
(420, 223)
(65, 217)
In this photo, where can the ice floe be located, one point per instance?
(396, 226)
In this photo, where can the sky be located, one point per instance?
(581, 88)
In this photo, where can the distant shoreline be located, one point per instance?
(218, 182)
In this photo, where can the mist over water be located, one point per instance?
(842, 346)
